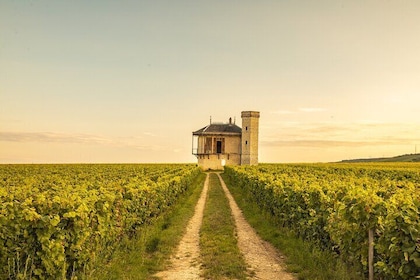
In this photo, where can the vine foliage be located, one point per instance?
(57, 220)
(335, 206)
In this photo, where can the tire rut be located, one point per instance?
(261, 256)
(185, 263)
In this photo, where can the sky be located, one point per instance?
(129, 81)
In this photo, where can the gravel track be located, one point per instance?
(185, 263)
(262, 258)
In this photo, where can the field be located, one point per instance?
(57, 221)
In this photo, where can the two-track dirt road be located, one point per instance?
(263, 260)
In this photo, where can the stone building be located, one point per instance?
(220, 144)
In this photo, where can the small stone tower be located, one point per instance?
(250, 120)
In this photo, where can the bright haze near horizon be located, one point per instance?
(129, 81)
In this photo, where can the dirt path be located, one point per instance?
(185, 264)
(262, 257)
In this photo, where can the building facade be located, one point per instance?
(220, 144)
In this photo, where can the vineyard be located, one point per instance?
(57, 220)
(337, 205)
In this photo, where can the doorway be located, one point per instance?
(219, 146)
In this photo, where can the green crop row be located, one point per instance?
(57, 220)
(335, 206)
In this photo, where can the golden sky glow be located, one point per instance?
(128, 81)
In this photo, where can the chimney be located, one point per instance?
(230, 120)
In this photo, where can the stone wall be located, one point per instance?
(231, 155)
(216, 162)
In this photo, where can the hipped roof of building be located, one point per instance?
(219, 128)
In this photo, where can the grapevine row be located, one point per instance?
(336, 205)
(57, 220)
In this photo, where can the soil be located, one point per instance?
(262, 258)
(185, 263)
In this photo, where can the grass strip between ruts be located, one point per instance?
(220, 255)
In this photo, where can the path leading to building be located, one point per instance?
(262, 258)
(185, 263)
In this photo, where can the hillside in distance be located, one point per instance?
(401, 158)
